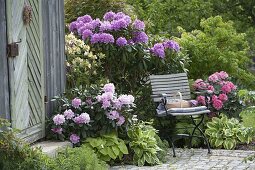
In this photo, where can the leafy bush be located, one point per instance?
(220, 92)
(15, 154)
(144, 144)
(215, 47)
(91, 112)
(107, 147)
(78, 158)
(248, 117)
(227, 133)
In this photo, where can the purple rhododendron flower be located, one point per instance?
(172, 45)
(69, 114)
(57, 130)
(85, 18)
(76, 102)
(138, 24)
(106, 104)
(121, 120)
(102, 38)
(86, 33)
(109, 88)
(95, 23)
(83, 118)
(105, 26)
(130, 42)
(121, 41)
(158, 50)
(119, 15)
(74, 138)
(119, 24)
(113, 115)
(109, 16)
(59, 119)
(73, 26)
(140, 37)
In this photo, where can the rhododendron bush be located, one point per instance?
(90, 113)
(218, 93)
(128, 58)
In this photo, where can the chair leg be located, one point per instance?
(173, 147)
(202, 133)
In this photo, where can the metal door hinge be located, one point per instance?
(45, 99)
(13, 49)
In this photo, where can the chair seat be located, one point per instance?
(183, 111)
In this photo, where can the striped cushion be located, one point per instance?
(186, 110)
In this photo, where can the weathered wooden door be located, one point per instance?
(26, 70)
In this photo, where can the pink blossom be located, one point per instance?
(210, 87)
(109, 88)
(199, 85)
(76, 102)
(74, 138)
(231, 85)
(57, 130)
(69, 114)
(201, 100)
(113, 115)
(223, 97)
(121, 120)
(106, 104)
(213, 78)
(223, 75)
(226, 88)
(126, 99)
(217, 104)
(83, 118)
(59, 119)
(214, 97)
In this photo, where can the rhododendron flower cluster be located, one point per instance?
(103, 31)
(79, 115)
(159, 49)
(217, 88)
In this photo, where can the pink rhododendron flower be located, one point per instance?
(113, 115)
(74, 138)
(200, 85)
(106, 104)
(217, 104)
(213, 78)
(109, 88)
(231, 85)
(226, 88)
(201, 100)
(126, 99)
(69, 114)
(223, 75)
(223, 97)
(57, 130)
(59, 119)
(214, 97)
(211, 88)
(76, 102)
(121, 120)
(83, 118)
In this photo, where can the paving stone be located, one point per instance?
(198, 159)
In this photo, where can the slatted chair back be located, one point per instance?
(169, 84)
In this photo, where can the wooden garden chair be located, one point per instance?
(165, 87)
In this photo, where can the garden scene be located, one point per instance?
(115, 115)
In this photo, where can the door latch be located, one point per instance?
(13, 49)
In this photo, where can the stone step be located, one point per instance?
(51, 148)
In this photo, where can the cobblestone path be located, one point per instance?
(198, 159)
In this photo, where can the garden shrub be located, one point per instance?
(107, 147)
(78, 158)
(82, 64)
(129, 58)
(144, 144)
(248, 117)
(217, 46)
(91, 112)
(221, 94)
(18, 155)
(227, 133)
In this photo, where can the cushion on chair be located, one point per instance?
(185, 110)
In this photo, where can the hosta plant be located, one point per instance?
(143, 143)
(227, 133)
(107, 147)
